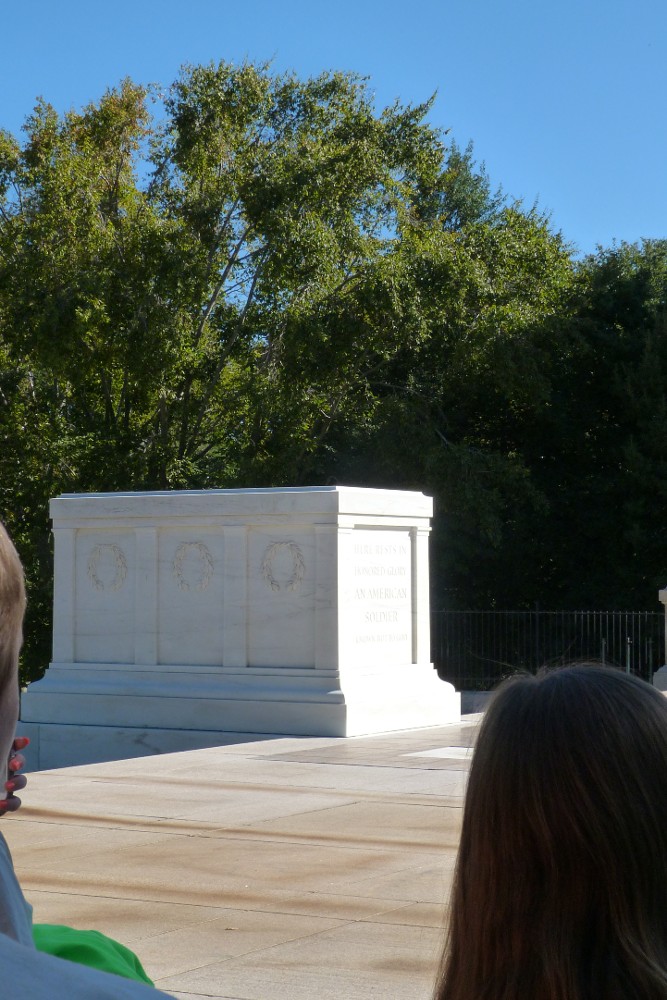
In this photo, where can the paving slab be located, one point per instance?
(272, 868)
(357, 960)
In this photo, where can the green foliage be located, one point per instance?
(195, 301)
(463, 196)
(606, 466)
(455, 403)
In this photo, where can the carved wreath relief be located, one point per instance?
(298, 566)
(101, 557)
(186, 578)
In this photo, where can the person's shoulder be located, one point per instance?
(15, 911)
(34, 975)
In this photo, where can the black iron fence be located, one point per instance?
(476, 649)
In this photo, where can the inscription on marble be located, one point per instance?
(382, 595)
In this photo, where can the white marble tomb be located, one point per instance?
(660, 676)
(182, 616)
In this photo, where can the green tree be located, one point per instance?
(455, 406)
(167, 295)
(605, 464)
(195, 300)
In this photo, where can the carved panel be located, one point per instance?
(283, 566)
(107, 567)
(192, 566)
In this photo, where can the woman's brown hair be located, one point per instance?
(560, 891)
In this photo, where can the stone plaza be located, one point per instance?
(283, 867)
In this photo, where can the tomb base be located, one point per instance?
(96, 712)
(660, 679)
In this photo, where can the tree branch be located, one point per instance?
(213, 382)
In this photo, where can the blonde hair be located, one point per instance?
(12, 607)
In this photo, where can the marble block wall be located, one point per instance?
(181, 616)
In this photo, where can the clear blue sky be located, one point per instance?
(564, 100)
